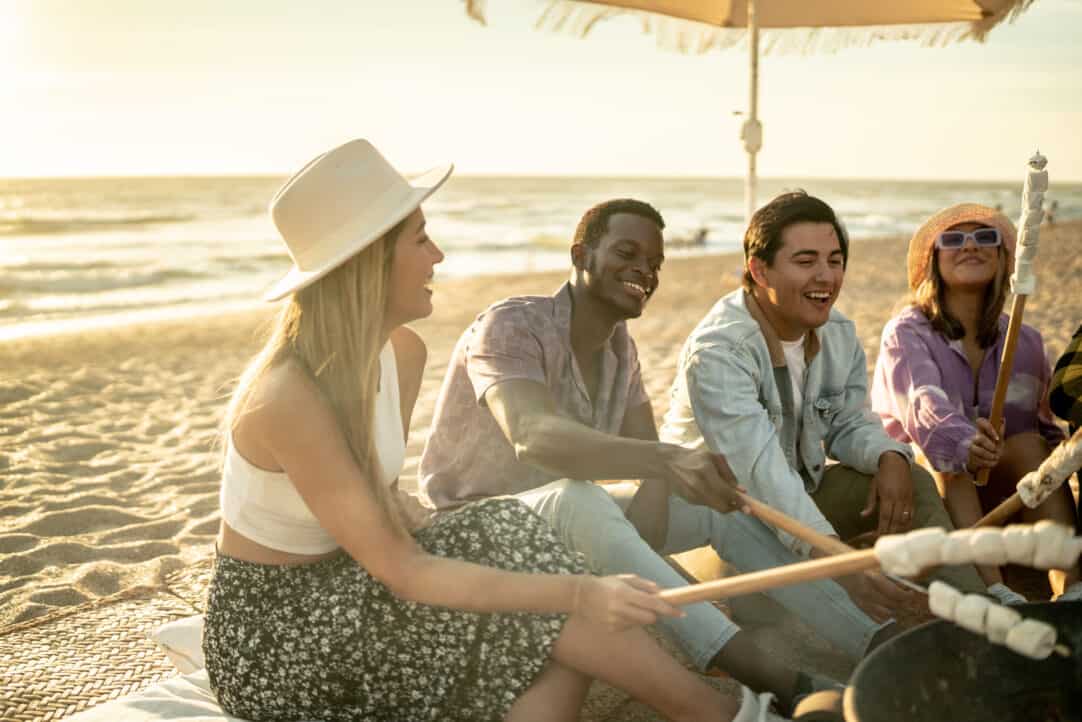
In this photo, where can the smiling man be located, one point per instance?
(776, 380)
(543, 394)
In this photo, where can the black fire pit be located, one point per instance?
(939, 672)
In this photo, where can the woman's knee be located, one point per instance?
(944, 482)
(1023, 453)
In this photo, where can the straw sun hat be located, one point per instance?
(337, 205)
(922, 245)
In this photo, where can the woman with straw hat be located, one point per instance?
(333, 596)
(936, 375)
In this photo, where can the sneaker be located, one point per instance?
(1006, 595)
(808, 684)
(756, 708)
(1072, 593)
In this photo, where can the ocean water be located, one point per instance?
(76, 253)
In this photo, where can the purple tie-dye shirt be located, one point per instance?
(925, 392)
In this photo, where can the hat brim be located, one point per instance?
(922, 244)
(423, 186)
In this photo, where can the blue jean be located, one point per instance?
(590, 520)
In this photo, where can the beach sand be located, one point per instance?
(108, 439)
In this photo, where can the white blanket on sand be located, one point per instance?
(184, 697)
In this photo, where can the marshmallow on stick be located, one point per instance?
(1023, 281)
(1000, 625)
(1044, 545)
(1065, 459)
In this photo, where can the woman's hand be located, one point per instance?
(620, 601)
(985, 448)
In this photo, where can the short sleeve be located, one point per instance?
(502, 347)
(636, 392)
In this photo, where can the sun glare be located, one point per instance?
(12, 25)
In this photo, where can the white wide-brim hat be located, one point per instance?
(337, 205)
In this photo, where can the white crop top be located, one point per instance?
(265, 506)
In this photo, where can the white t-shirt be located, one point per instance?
(794, 359)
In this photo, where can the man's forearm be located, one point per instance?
(576, 451)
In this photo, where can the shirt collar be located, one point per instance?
(773, 343)
(561, 308)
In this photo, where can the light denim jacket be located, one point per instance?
(733, 388)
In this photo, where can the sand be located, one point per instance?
(108, 454)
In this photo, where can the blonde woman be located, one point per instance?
(936, 375)
(331, 598)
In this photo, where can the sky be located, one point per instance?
(160, 87)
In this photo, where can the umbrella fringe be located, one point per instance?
(688, 36)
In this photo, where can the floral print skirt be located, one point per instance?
(326, 641)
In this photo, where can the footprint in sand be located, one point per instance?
(29, 612)
(15, 510)
(103, 579)
(79, 500)
(59, 597)
(69, 452)
(16, 393)
(82, 521)
(207, 527)
(65, 553)
(165, 529)
(202, 507)
(12, 543)
(121, 479)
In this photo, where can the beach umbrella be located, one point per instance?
(801, 25)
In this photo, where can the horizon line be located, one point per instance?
(593, 176)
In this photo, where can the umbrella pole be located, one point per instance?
(752, 130)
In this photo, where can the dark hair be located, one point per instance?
(595, 221)
(763, 237)
(930, 298)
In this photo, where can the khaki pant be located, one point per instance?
(844, 492)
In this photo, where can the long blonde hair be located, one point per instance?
(332, 328)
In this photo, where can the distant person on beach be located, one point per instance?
(333, 596)
(776, 380)
(1050, 213)
(936, 376)
(544, 395)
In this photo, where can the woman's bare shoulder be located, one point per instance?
(282, 396)
(410, 351)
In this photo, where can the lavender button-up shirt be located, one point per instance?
(925, 392)
(467, 456)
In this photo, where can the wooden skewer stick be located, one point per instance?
(817, 540)
(836, 566)
(1003, 378)
(1060, 464)
(827, 544)
(998, 516)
